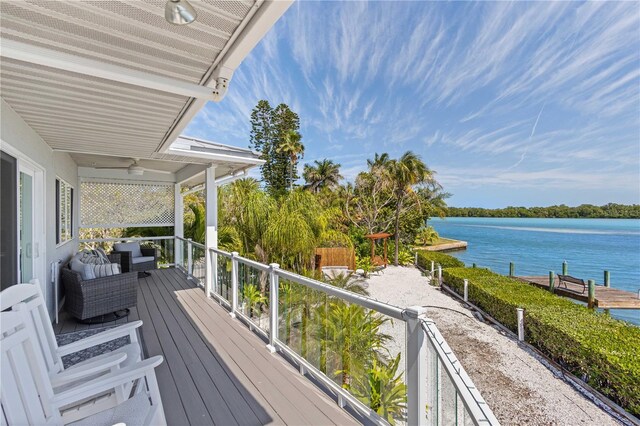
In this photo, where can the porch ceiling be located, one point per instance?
(113, 77)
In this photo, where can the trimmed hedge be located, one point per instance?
(425, 257)
(603, 351)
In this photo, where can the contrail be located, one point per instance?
(533, 131)
(537, 119)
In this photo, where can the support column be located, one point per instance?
(211, 236)
(178, 228)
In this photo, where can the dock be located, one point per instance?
(605, 297)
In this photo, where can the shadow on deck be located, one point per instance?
(216, 371)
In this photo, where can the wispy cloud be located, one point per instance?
(459, 83)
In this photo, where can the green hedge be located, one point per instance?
(603, 351)
(425, 257)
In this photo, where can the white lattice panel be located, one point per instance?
(109, 204)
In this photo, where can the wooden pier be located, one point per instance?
(605, 297)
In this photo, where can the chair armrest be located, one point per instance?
(107, 382)
(149, 251)
(103, 337)
(125, 260)
(98, 364)
(114, 257)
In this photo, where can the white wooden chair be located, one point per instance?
(27, 395)
(28, 298)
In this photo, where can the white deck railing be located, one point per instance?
(438, 390)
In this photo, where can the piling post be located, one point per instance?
(592, 294)
(474, 265)
(520, 314)
(512, 269)
(565, 268)
(466, 290)
(551, 281)
(607, 279)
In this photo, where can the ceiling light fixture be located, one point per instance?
(179, 12)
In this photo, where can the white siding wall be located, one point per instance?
(15, 132)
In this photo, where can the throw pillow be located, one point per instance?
(88, 257)
(133, 247)
(102, 255)
(85, 270)
(106, 270)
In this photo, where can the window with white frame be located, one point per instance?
(64, 211)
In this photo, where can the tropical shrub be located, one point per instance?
(446, 261)
(383, 390)
(605, 352)
(405, 257)
(426, 236)
(365, 264)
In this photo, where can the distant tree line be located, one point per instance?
(608, 211)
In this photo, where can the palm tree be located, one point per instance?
(404, 173)
(379, 161)
(292, 147)
(325, 174)
(349, 338)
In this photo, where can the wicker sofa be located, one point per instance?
(130, 263)
(85, 299)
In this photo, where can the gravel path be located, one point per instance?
(518, 388)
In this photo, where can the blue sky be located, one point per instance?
(533, 103)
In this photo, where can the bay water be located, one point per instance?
(537, 246)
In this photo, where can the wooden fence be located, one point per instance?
(335, 256)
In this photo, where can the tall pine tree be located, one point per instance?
(268, 129)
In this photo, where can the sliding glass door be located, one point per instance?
(22, 221)
(8, 220)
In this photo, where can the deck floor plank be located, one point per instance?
(319, 410)
(216, 371)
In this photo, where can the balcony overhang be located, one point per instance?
(114, 78)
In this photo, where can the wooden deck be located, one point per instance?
(215, 370)
(606, 297)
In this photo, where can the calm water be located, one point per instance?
(538, 246)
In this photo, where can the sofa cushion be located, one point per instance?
(84, 269)
(133, 247)
(106, 270)
(91, 257)
(142, 259)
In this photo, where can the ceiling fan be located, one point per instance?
(134, 168)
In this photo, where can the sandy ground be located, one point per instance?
(519, 389)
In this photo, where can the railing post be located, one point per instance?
(520, 313)
(234, 283)
(415, 258)
(273, 306)
(416, 366)
(189, 257)
(466, 290)
(433, 265)
(440, 275)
